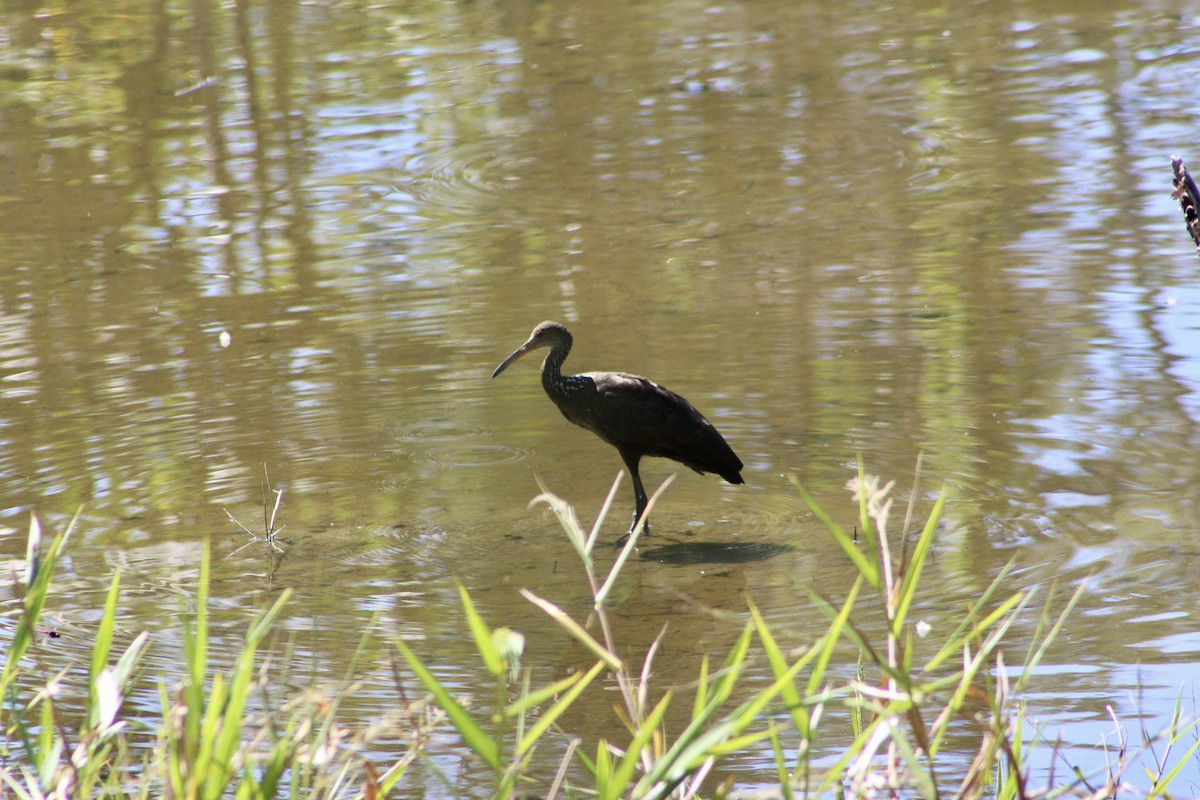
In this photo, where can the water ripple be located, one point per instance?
(476, 455)
(433, 430)
(457, 178)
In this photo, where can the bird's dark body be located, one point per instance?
(633, 414)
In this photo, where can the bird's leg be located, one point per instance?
(639, 495)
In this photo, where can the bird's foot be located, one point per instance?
(632, 528)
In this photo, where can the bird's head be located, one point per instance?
(546, 334)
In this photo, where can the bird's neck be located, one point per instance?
(552, 377)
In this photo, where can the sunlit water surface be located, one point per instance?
(288, 244)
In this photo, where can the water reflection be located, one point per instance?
(888, 232)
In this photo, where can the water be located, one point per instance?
(838, 230)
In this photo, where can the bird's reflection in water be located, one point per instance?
(714, 552)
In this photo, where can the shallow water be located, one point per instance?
(284, 242)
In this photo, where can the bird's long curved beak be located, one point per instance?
(520, 351)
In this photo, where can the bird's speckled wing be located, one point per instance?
(1189, 198)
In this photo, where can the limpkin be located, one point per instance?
(633, 414)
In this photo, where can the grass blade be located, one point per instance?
(102, 646)
(552, 714)
(865, 566)
(484, 642)
(475, 736)
(574, 629)
(915, 565)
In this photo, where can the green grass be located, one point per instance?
(241, 733)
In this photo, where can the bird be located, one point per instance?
(633, 414)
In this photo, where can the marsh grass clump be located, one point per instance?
(901, 710)
(222, 734)
(246, 732)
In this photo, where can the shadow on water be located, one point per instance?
(715, 552)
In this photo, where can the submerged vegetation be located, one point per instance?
(245, 733)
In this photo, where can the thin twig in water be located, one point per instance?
(269, 529)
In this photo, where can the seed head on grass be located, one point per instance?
(879, 503)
